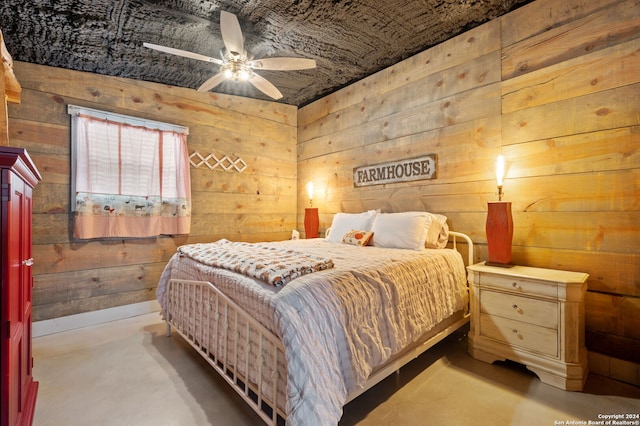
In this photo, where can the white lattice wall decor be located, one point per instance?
(212, 162)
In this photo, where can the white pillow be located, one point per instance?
(407, 230)
(438, 232)
(345, 222)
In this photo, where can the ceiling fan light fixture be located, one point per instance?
(227, 71)
(236, 71)
(236, 64)
(244, 73)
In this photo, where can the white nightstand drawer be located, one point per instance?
(533, 311)
(520, 286)
(516, 333)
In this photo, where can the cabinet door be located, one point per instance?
(17, 288)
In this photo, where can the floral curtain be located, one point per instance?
(130, 181)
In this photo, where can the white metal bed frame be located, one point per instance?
(232, 324)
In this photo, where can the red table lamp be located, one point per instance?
(311, 219)
(499, 226)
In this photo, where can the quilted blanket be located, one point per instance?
(273, 265)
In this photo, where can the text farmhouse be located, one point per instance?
(397, 171)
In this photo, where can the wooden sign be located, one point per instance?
(421, 168)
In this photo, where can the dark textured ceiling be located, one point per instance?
(348, 39)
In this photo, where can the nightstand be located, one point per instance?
(532, 316)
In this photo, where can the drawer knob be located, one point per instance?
(515, 285)
(517, 308)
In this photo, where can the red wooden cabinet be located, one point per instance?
(18, 178)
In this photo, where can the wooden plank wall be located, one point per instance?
(259, 204)
(555, 87)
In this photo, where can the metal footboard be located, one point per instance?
(244, 352)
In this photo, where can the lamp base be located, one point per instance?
(501, 265)
(311, 222)
(499, 228)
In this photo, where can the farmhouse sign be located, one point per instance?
(397, 171)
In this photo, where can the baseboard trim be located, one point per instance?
(72, 322)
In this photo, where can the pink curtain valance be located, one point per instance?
(130, 181)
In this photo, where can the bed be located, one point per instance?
(299, 342)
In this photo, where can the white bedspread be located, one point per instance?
(339, 324)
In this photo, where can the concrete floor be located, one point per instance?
(128, 372)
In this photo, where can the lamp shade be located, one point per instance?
(310, 190)
(311, 222)
(500, 170)
(499, 228)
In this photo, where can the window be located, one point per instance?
(130, 177)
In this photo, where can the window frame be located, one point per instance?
(76, 113)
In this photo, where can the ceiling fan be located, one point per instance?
(236, 63)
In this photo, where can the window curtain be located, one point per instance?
(130, 181)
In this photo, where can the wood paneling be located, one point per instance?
(553, 86)
(581, 76)
(433, 87)
(609, 109)
(465, 47)
(613, 24)
(259, 204)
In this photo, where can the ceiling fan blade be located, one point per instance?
(265, 86)
(283, 64)
(212, 82)
(231, 33)
(184, 53)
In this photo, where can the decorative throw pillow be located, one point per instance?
(357, 238)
